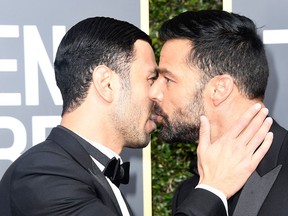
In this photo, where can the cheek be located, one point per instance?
(173, 99)
(141, 100)
(177, 100)
(143, 95)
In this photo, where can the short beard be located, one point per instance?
(125, 119)
(177, 132)
(184, 125)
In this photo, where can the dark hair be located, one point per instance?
(92, 42)
(223, 43)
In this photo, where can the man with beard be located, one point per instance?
(213, 63)
(104, 69)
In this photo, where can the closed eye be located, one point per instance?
(152, 79)
(167, 75)
(167, 79)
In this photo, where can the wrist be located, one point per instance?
(217, 192)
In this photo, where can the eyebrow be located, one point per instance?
(166, 72)
(154, 71)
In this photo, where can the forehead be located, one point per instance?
(176, 50)
(144, 59)
(143, 51)
(174, 54)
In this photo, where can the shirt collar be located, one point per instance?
(108, 152)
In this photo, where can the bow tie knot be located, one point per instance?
(116, 172)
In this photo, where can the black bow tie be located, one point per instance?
(116, 172)
(113, 170)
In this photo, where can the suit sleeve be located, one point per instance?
(188, 201)
(201, 202)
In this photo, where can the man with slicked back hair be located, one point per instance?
(213, 63)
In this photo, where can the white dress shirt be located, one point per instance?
(110, 154)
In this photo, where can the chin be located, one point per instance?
(140, 144)
(178, 138)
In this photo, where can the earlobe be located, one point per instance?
(222, 87)
(101, 77)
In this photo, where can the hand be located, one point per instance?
(227, 163)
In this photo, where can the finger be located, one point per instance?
(260, 135)
(204, 134)
(262, 150)
(254, 126)
(242, 122)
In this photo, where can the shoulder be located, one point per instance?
(185, 187)
(183, 191)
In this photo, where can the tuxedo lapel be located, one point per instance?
(275, 156)
(70, 143)
(254, 193)
(128, 206)
(100, 179)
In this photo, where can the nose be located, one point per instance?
(155, 92)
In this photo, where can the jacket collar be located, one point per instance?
(274, 155)
(69, 141)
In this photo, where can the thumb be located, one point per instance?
(204, 134)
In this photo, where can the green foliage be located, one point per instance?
(170, 166)
(170, 163)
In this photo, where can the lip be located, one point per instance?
(156, 118)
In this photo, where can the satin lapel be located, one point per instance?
(100, 178)
(128, 206)
(70, 143)
(254, 193)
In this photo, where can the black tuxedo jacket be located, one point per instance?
(56, 177)
(266, 191)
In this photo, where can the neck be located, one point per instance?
(224, 117)
(93, 127)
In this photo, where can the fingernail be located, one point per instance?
(265, 111)
(257, 106)
(270, 120)
(202, 118)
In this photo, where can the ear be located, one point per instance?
(221, 88)
(102, 77)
